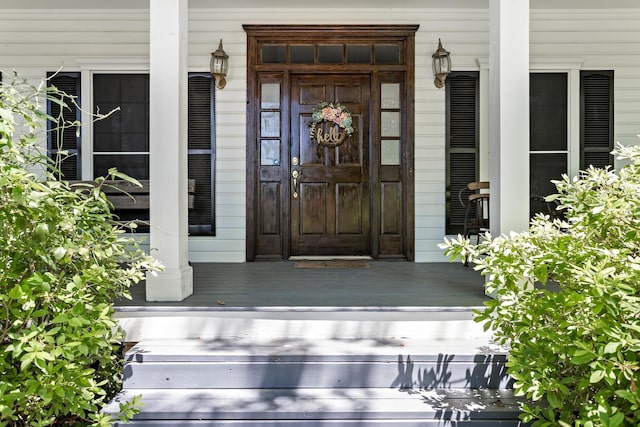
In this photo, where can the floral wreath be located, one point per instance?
(333, 113)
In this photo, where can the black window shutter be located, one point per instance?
(596, 118)
(62, 136)
(462, 101)
(201, 152)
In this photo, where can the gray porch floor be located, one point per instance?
(278, 284)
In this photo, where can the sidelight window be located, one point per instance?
(390, 123)
(270, 124)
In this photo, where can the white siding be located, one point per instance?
(33, 42)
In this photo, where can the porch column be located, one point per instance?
(509, 115)
(168, 150)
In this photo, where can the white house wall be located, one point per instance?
(36, 41)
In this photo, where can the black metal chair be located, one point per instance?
(538, 204)
(475, 198)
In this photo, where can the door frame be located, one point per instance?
(268, 235)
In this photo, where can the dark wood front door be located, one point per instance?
(330, 186)
(356, 198)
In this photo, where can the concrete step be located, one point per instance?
(242, 362)
(360, 407)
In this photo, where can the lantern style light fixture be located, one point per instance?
(219, 66)
(441, 65)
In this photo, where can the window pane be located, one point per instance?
(106, 88)
(134, 117)
(274, 54)
(270, 124)
(109, 125)
(390, 123)
(302, 54)
(390, 152)
(134, 87)
(548, 105)
(126, 130)
(544, 168)
(270, 98)
(135, 165)
(330, 54)
(390, 94)
(134, 142)
(270, 152)
(387, 54)
(358, 54)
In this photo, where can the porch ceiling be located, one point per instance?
(384, 4)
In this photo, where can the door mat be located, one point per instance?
(334, 263)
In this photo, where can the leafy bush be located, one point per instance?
(62, 264)
(568, 301)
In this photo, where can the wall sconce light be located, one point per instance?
(219, 66)
(441, 65)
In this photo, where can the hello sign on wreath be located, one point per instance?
(331, 124)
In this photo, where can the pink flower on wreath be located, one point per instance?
(328, 113)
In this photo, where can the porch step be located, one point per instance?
(439, 324)
(240, 362)
(315, 368)
(326, 407)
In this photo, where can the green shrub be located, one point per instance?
(568, 301)
(63, 262)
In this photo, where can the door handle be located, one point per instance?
(295, 174)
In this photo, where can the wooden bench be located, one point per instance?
(129, 197)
